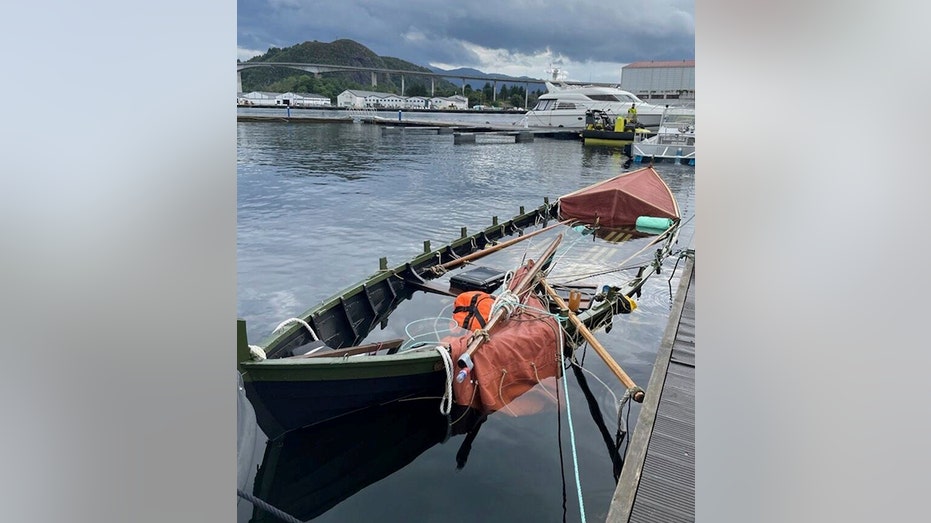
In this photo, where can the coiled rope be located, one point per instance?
(508, 301)
(257, 353)
(446, 402)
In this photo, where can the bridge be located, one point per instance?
(318, 69)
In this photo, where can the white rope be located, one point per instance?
(599, 380)
(507, 300)
(257, 353)
(446, 402)
(296, 320)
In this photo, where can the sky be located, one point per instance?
(586, 40)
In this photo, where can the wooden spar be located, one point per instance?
(361, 349)
(637, 393)
(525, 283)
(493, 248)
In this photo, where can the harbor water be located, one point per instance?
(317, 205)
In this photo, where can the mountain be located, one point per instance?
(455, 76)
(339, 52)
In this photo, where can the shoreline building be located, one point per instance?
(289, 99)
(357, 99)
(660, 80)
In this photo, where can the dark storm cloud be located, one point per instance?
(424, 31)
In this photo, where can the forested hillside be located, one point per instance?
(339, 52)
(351, 53)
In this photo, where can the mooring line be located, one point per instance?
(277, 512)
(575, 457)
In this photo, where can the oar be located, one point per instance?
(524, 284)
(587, 334)
(488, 250)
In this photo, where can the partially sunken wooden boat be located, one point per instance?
(325, 363)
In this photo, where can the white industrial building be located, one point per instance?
(257, 98)
(416, 102)
(356, 99)
(267, 99)
(660, 79)
(456, 101)
(303, 100)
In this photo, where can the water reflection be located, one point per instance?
(307, 472)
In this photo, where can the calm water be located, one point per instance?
(318, 204)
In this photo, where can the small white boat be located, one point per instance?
(674, 141)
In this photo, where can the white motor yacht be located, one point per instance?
(565, 105)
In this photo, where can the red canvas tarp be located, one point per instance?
(521, 351)
(619, 201)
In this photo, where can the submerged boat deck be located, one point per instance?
(657, 482)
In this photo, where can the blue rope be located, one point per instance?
(575, 457)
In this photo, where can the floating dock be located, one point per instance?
(657, 482)
(462, 132)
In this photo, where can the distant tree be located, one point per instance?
(488, 91)
(417, 90)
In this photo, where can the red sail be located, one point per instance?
(521, 351)
(619, 201)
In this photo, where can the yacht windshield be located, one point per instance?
(613, 98)
(544, 105)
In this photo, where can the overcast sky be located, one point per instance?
(590, 40)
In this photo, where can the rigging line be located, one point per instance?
(592, 374)
(626, 424)
(599, 420)
(582, 276)
(662, 236)
(568, 247)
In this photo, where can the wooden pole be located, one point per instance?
(637, 394)
(488, 250)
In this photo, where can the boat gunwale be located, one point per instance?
(416, 267)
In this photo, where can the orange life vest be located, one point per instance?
(472, 309)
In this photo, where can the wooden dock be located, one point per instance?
(462, 132)
(657, 482)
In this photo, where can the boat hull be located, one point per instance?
(679, 151)
(292, 393)
(575, 119)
